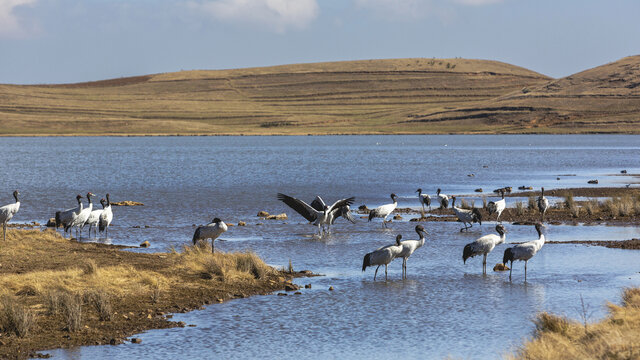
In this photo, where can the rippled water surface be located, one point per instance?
(444, 308)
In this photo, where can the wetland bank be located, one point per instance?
(186, 181)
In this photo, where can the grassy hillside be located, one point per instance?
(602, 99)
(375, 96)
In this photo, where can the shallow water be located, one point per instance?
(444, 308)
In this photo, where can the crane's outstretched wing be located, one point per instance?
(318, 204)
(345, 212)
(342, 202)
(299, 206)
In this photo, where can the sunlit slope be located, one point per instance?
(602, 99)
(374, 96)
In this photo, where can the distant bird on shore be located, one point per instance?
(497, 206)
(483, 246)
(466, 216)
(79, 220)
(409, 246)
(384, 211)
(425, 199)
(7, 212)
(444, 199)
(524, 251)
(105, 218)
(210, 231)
(382, 256)
(543, 204)
(65, 217)
(320, 218)
(94, 218)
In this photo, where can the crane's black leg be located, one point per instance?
(376, 273)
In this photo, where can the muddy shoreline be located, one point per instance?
(31, 254)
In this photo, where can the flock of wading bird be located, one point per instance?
(323, 216)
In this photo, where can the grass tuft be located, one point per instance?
(72, 311)
(101, 302)
(14, 317)
(519, 208)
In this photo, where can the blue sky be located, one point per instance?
(56, 41)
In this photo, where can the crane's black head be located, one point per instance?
(453, 201)
(501, 229)
(438, 192)
(216, 220)
(89, 195)
(420, 230)
(542, 191)
(15, 194)
(419, 190)
(79, 197)
(398, 238)
(477, 215)
(508, 256)
(103, 202)
(466, 253)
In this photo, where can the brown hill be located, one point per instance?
(602, 99)
(375, 96)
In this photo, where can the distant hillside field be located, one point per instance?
(414, 96)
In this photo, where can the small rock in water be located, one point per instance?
(145, 244)
(229, 224)
(500, 267)
(330, 288)
(263, 214)
(136, 340)
(242, 223)
(397, 217)
(623, 171)
(297, 293)
(282, 294)
(592, 181)
(478, 190)
(308, 286)
(127, 203)
(282, 216)
(557, 178)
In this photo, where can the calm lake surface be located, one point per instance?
(444, 307)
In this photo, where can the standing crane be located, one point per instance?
(105, 218)
(384, 211)
(497, 206)
(382, 256)
(65, 217)
(524, 251)
(425, 199)
(79, 220)
(444, 199)
(466, 216)
(409, 246)
(483, 246)
(210, 231)
(543, 204)
(7, 212)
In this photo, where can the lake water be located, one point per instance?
(443, 308)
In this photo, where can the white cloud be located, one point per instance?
(10, 24)
(277, 15)
(415, 9)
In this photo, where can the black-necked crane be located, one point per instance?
(105, 218)
(319, 218)
(524, 251)
(94, 218)
(543, 204)
(444, 199)
(466, 216)
(409, 246)
(210, 231)
(497, 206)
(79, 220)
(334, 213)
(7, 212)
(382, 256)
(383, 211)
(425, 199)
(65, 217)
(484, 245)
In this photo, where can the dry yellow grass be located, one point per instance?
(374, 96)
(615, 337)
